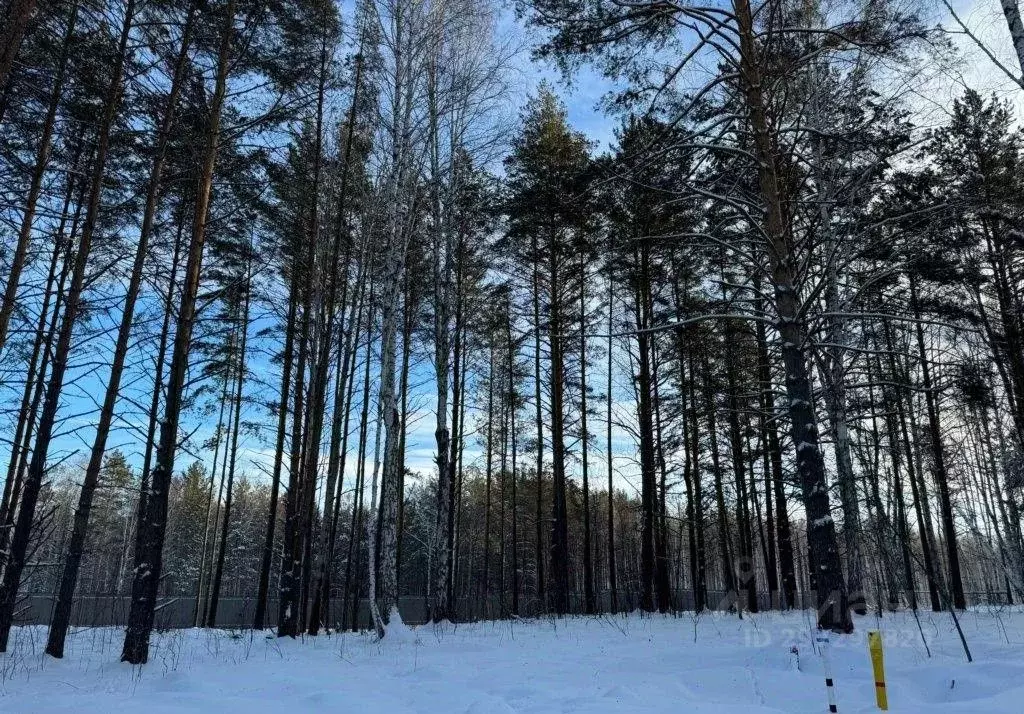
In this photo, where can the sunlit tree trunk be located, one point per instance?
(153, 524)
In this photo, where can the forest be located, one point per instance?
(311, 306)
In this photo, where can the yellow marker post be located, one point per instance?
(878, 665)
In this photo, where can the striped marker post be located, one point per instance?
(878, 665)
(822, 640)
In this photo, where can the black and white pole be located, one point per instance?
(822, 640)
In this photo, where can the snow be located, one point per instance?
(714, 664)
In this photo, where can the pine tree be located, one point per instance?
(547, 206)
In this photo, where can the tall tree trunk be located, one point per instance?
(488, 478)
(924, 531)
(457, 479)
(339, 265)
(455, 448)
(777, 521)
(589, 598)
(559, 510)
(321, 309)
(39, 360)
(833, 611)
(438, 600)
(351, 348)
(773, 469)
(394, 270)
(442, 284)
(746, 576)
(210, 529)
(438, 585)
(513, 405)
(288, 617)
(153, 524)
(1011, 11)
(62, 609)
(724, 537)
(609, 454)
(503, 489)
(409, 305)
(352, 560)
(770, 547)
(834, 377)
(377, 620)
(645, 426)
(320, 590)
(662, 574)
(48, 417)
(902, 522)
(211, 616)
(939, 460)
(158, 375)
(19, 14)
(266, 560)
(539, 424)
(695, 492)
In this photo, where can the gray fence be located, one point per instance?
(177, 612)
(180, 611)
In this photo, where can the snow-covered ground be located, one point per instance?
(715, 664)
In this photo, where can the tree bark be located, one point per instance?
(746, 576)
(662, 569)
(152, 526)
(210, 529)
(211, 616)
(339, 266)
(76, 548)
(394, 269)
(539, 425)
(589, 598)
(48, 416)
(513, 406)
(609, 454)
(695, 496)
(1011, 11)
(724, 537)
(20, 13)
(938, 454)
(38, 362)
(559, 511)
(833, 611)
(645, 426)
(485, 590)
(266, 560)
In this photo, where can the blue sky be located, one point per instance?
(581, 99)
